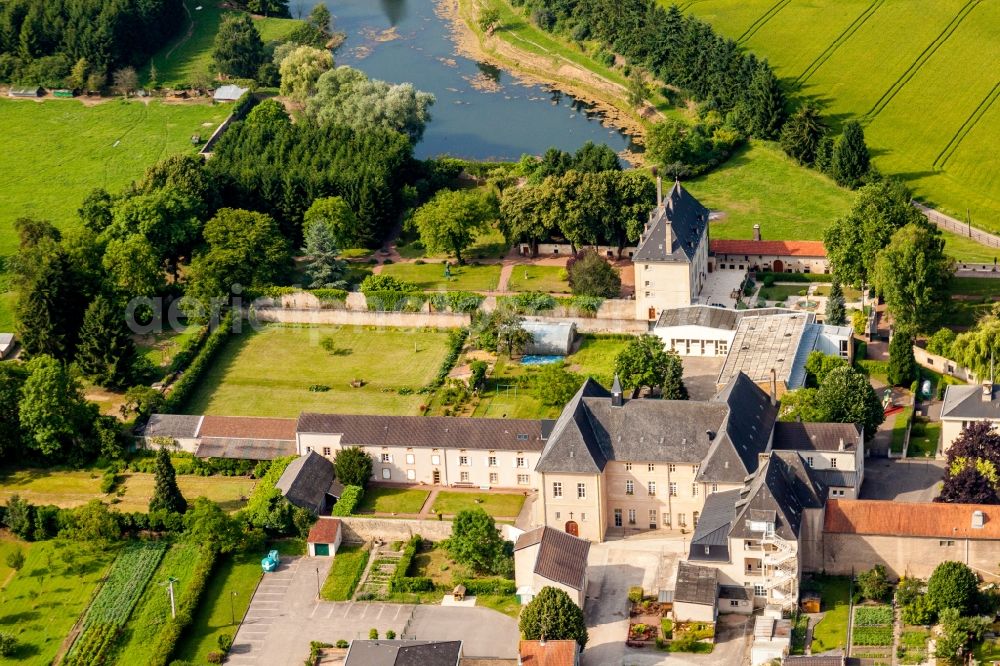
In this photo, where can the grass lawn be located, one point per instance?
(987, 652)
(496, 504)
(153, 609)
(430, 276)
(850, 293)
(9, 544)
(269, 372)
(899, 429)
(508, 605)
(781, 292)
(161, 348)
(345, 573)
(548, 279)
(70, 488)
(489, 244)
(835, 597)
(7, 301)
(924, 439)
(47, 596)
(967, 286)
(392, 500)
(596, 356)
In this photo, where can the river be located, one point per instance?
(481, 112)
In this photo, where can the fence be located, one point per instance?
(958, 227)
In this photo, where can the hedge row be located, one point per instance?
(455, 301)
(160, 653)
(348, 501)
(489, 586)
(188, 351)
(762, 276)
(400, 582)
(456, 340)
(395, 301)
(188, 381)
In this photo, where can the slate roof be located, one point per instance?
(245, 449)
(716, 519)
(774, 247)
(766, 341)
(178, 426)
(561, 557)
(324, 530)
(815, 436)
(780, 492)
(427, 431)
(549, 653)
(247, 427)
(696, 584)
(403, 653)
(966, 402)
(709, 316)
(734, 592)
(836, 478)
(572, 446)
(906, 519)
(743, 435)
(306, 481)
(685, 216)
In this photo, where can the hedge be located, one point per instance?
(794, 277)
(588, 305)
(166, 643)
(873, 368)
(244, 105)
(456, 340)
(259, 504)
(329, 295)
(455, 301)
(395, 301)
(188, 381)
(188, 351)
(489, 586)
(348, 501)
(529, 302)
(400, 582)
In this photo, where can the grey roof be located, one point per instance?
(765, 341)
(573, 446)
(709, 316)
(427, 431)
(403, 653)
(561, 557)
(744, 434)
(716, 519)
(696, 585)
(6, 339)
(182, 426)
(306, 481)
(682, 214)
(244, 449)
(966, 402)
(780, 492)
(734, 592)
(836, 478)
(815, 436)
(550, 338)
(229, 92)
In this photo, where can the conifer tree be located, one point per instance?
(766, 103)
(851, 161)
(166, 495)
(836, 312)
(802, 134)
(106, 353)
(902, 365)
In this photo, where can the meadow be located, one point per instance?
(270, 372)
(929, 107)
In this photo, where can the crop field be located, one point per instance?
(929, 108)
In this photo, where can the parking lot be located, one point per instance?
(903, 480)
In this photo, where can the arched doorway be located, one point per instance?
(779, 266)
(572, 528)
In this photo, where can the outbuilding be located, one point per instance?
(228, 93)
(324, 538)
(6, 344)
(550, 339)
(36, 91)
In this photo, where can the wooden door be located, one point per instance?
(572, 528)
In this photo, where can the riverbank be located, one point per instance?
(539, 59)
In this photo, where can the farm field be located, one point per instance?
(268, 373)
(929, 108)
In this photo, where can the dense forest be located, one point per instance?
(42, 40)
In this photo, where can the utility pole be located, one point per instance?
(232, 612)
(317, 582)
(169, 583)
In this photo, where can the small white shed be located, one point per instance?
(228, 93)
(324, 538)
(6, 344)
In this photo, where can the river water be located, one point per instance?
(481, 112)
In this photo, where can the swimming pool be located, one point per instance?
(538, 359)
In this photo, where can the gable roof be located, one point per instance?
(229, 92)
(403, 653)
(306, 481)
(744, 433)
(245, 449)
(247, 427)
(427, 431)
(686, 220)
(716, 519)
(966, 402)
(561, 557)
(780, 492)
(794, 436)
(548, 653)
(775, 247)
(572, 446)
(929, 519)
(696, 584)
(178, 426)
(324, 530)
(709, 316)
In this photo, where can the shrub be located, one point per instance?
(952, 585)
(488, 586)
(635, 594)
(8, 643)
(456, 340)
(390, 634)
(225, 643)
(215, 657)
(342, 643)
(349, 500)
(873, 583)
(373, 634)
(918, 611)
(400, 581)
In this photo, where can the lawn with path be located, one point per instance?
(498, 505)
(835, 599)
(269, 372)
(924, 439)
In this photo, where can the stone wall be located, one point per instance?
(363, 318)
(359, 530)
(943, 365)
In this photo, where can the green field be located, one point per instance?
(269, 373)
(431, 276)
(43, 601)
(345, 573)
(392, 500)
(160, 348)
(548, 279)
(835, 597)
(929, 106)
(495, 504)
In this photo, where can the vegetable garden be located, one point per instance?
(871, 634)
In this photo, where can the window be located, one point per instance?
(946, 542)
(583, 517)
(748, 545)
(628, 467)
(463, 477)
(386, 458)
(326, 450)
(410, 459)
(492, 461)
(556, 489)
(522, 479)
(695, 468)
(758, 590)
(631, 516)
(837, 492)
(618, 517)
(494, 477)
(629, 487)
(463, 461)
(411, 474)
(435, 460)
(386, 473)
(721, 348)
(843, 349)
(581, 491)
(694, 517)
(522, 438)
(651, 488)
(708, 550)
(682, 519)
(694, 490)
(651, 467)
(557, 515)
(809, 460)
(715, 487)
(666, 519)
(671, 468)
(309, 448)
(652, 519)
(673, 489)
(833, 462)
(522, 462)
(732, 602)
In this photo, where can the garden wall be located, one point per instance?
(598, 325)
(363, 318)
(943, 365)
(847, 554)
(359, 530)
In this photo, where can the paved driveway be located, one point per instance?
(903, 480)
(284, 616)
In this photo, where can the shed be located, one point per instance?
(63, 92)
(695, 593)
(6, 344)
(36, 91)
(324, 538)
(307, 481)
(550, 339)
(810, 602)
(228, 93)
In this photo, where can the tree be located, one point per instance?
(238, 50)
(207, 524)
(12, 378)
(8, 644)
(667, 144)
(819, 365)
(766, 103)
(645, 362)
(902, 365)
(979, 348)
(55, 417)
(353, 466)
(141, 401)
(19, 517)
(952, 585)
(476, 542)
(339, 223)
(959, 634)
(166, 495)
(851, 161)
(556, 385)
(301, 69)
(15, 559)
(134, 268)
(268, 7)
(802, 134)
(78, 75)
(552, 615)
(873, 584)
(800, 405)
(913, 273)
(940, 343)
(525, 215)
(95, 212)
(510, 333)
(106, 353)
(973, 461)
(49, 311)
(126, 80)
(596, 157)
(591, 275)
(638, 89)
(847, 397)
(489, 20)
(450, 221)
(836, 311)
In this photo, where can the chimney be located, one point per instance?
(616, 393)
(756, 232)
(842, 447)
(774, 386)
(659, 188)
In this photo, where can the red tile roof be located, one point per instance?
(247, 427)
(551, 653)
(762, 247)
(324, 531)
(931, 519)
